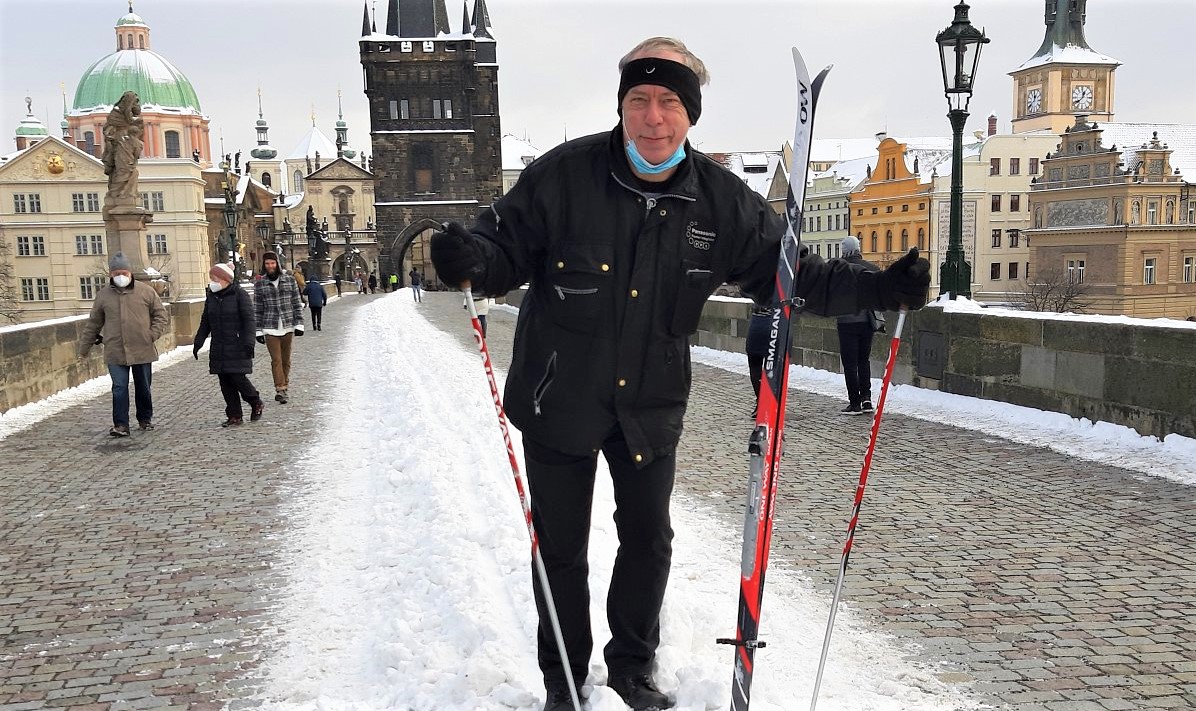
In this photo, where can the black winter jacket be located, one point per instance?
(228, 318)
(618, 278)
(863, 315)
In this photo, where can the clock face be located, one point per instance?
(1033, 101)
(1081, 97)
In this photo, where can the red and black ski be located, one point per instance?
(766, 440)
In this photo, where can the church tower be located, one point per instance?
(1065, 76)
(434, 123)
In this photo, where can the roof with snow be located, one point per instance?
(755, 169)
(517, 153)
(850, 173)
(1131, 137)
(315, 140)
(1068, 54)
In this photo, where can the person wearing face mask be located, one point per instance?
(622, 237)
(127, 317)
(229, 319)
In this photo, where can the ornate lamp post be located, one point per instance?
(230, 221)
(959, 53)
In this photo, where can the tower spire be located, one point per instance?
(392, 18)
(263, 151)
(313, 115)
(465, 24)
(481, 19)
(365, 19)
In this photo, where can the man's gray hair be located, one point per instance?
(689, 59)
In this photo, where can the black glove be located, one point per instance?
(99, 338)
(905, 283)
(455, 255)
(195, 352)
(298, 332)
(260, 339)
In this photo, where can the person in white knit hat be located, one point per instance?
(229, 319)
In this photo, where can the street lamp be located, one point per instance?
(230, 221)
(959, 54)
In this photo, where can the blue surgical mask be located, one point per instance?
(642, 165)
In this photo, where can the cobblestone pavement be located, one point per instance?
(1054, 584)
(139, 573)
(136, 573)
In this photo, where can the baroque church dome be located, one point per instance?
(134, 66)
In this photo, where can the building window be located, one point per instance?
(404, 109)
(996, 238)
(88, 286)
(405, 46)
(436, 108)
(93, 202)
(994, 166)
(838, 223)
(448, 109)
(422, 165)
(1015, 202)
(888, 240)
(153, 201)
(996, 206)
(394, 110)
(1189, 270)
(1033, 166)
(1148, 270)
(266, 179)
(23, 248)
(1192, 212)
(1015, 168)
(35, 289)
(26, 202)
(1075, 271)
(155, 244)
(874, 211)
(80, 245)
(77, 202)
(297, 179)
(89, 142)
(904, 240)
(173, 148)
(921, 238)
(860, 212)
(1014, 238)
(819, 222)
(888, 209)
(1013, 270)
(905, 208)
(1152, 213)
(140, 41)
(921, 206)
(994, 271)
(874, 243)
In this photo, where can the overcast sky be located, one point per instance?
(557, 60)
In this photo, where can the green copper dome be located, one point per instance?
(131, 19)
(159, 84)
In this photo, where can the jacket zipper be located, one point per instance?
(561, 291)
(545, 382)
(650, 203)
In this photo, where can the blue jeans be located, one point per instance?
(142, 375)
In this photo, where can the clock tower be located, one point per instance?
(1065, 76)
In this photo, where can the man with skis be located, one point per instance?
(622, 237)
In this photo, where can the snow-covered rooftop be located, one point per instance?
(315, 140)
(1068, 54)
(850, 173)
(1129, 138)
(755, 169)
(517, 153)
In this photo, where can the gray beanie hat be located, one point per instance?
(119, 261)
(849, 246)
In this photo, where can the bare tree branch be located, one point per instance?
(1053, 290)
(10, 307)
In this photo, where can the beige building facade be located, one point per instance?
(50, 200)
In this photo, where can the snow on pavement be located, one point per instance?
(410, 584)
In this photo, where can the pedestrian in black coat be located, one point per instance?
(316, 299)
(229, 319)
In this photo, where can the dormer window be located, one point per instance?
(404, 46)
(429, 46)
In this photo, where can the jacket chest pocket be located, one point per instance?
(579, 285)
(693, 288)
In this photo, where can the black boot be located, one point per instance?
(558, 699)
(640, 693)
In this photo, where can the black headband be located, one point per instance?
(674, 76)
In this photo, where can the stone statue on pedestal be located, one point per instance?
(123, 133)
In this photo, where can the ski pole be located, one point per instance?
(859, 499)
(541, 573)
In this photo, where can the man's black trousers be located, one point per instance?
(855, 347)
(562, 491)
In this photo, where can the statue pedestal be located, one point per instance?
(323, 267)
(125, 227)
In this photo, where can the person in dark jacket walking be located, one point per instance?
(417, 285)
(855, 341)
(317, 298)
(373, 283)
(622, 236)
(229, 319)
(336, 279)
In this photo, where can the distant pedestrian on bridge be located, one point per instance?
(317, 298)
(127, 317)
(417, 285)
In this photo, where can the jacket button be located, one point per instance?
(622, 383)
(560, 265)
(606, 267)
(663, 212)
(639, 457)
(634, 293)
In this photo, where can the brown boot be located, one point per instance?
(232, 422)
